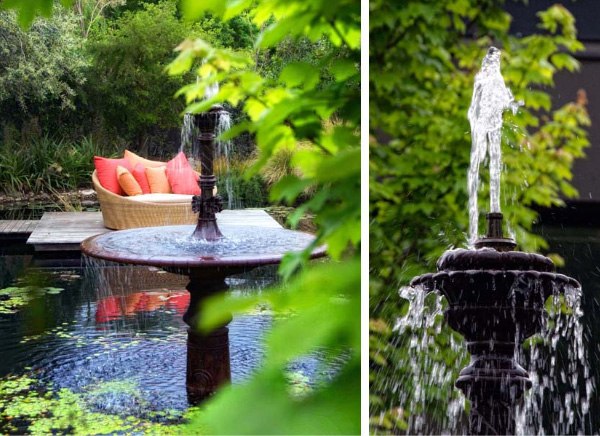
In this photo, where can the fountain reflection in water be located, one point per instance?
(496, 298)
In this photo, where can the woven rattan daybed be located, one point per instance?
(121, 212)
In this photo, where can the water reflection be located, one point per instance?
(125, 349)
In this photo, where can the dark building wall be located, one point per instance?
(587, 15)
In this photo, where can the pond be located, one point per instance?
(113, 337)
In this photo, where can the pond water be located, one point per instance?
(123, 349)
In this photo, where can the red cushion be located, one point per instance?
(106, 170)
(139, 174)
(182, 178)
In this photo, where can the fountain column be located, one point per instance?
(494, 382)
(207, 205)
(208, 362)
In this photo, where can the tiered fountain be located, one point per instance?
(496, 295)
(207, 254)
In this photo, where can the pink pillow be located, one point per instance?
(106, 170)
(182, 178)
(139, 174)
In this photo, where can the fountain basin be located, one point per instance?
(496, 300)
(172, 248)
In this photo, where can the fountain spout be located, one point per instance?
(494, 237)
(207, 205)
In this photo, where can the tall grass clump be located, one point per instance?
(46, 164)
(247, 191)
(282, 164)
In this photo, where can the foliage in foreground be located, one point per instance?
(418, 180)
(325, 298)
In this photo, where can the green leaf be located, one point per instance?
(344, 69)
(344, 164)
(194, 9)
(27, 10)
(300, 73)
(288, 188)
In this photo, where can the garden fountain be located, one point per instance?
(207, 254)
(496, 295)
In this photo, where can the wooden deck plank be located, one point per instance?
(17, 226)
(64, 231)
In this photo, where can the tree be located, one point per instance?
(41, 70)
(128, 83)
(89, 12)
(423, 59)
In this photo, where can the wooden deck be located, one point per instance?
(16, 229)
(64, 231)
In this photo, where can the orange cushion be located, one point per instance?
(181, 176)
(139, 173)
(134, 159)
(127, 182)
(106, 170)
(157, 179)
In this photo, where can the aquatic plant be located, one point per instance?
(28, 406)
(14, 298)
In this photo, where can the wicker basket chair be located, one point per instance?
(121, 212)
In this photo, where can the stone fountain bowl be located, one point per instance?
(172, 248)
(487, 288)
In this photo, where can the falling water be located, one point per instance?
(211, 90)
(562, 391)
(224, 152)
(490, 98)
(224, 147)
(420, 331)
(556, 359)
(187, 134)
(429, 355)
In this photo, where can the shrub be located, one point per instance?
(47, 164)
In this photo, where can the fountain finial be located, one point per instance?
(207, 205)
(494, 237)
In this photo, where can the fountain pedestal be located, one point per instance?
(494, 382)
(496, 300)
(206, 204)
